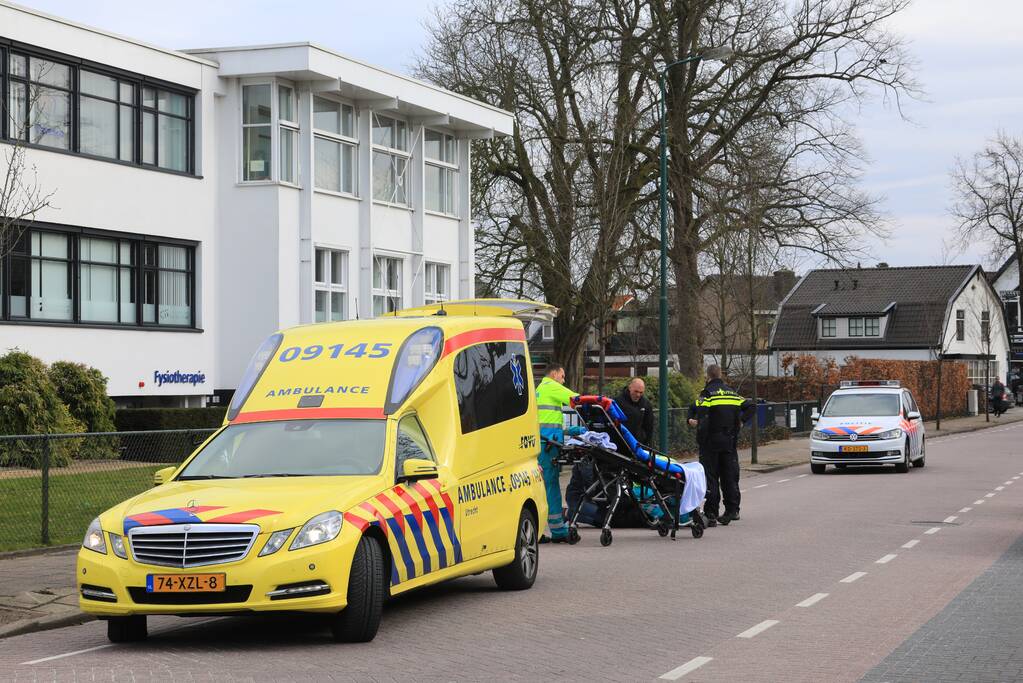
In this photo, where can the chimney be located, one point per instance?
(856, 284)
(782, 283)
(883, 264)
(836, 285)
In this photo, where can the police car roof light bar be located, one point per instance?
(853, 383)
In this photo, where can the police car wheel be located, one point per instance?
(127, 629)
(818, 468)
(520, 573)
(903, 466)
(359, 621)
(922, 460)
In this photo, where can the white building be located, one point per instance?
(1006, 282)
(915, 313)
(204, 199)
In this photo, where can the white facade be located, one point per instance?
(270, 235)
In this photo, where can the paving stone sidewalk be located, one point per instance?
(975, 639)
(37, 591)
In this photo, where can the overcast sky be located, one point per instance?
(970, 63)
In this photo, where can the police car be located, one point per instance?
(868, 423)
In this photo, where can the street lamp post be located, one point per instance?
(717, 53)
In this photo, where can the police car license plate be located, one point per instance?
(853, 449)
(186, 583)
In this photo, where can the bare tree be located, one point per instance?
(22, 196)
(988, 190)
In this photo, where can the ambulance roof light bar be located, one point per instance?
(853, 383)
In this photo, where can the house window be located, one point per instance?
(331, 285)
(74, 276)
(386, 285)
(257, 137)
(335, 145)
(547, 333)
(287, 133)
(855, 327)
(975, 370)
(985, 326)
(69, 107)
(437, 287)
(441, 169)
(872, 327)
(960, 325)
(390, 160)
(829, 327)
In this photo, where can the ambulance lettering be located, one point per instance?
(317, 390)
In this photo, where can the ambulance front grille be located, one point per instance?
(191, 545)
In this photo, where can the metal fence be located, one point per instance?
(53, 485)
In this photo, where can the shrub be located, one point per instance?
(141, 419)
(30, 404)
(921, 378)
(84, 391)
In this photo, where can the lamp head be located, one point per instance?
(720, 54)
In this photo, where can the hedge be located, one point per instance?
(142, 419)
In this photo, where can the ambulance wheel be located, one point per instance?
(127, 629)
(818, 468)
(605, 537)
(520, 573)
(573, 536)
(697, 532)
(359, 621)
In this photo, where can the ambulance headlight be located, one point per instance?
(276, 540)
(94, 538)
(320, 529)
(819, 435)
(890, 434)
(117, 545)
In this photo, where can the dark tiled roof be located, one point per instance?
(921, 295)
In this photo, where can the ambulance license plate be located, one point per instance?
(853, 449)
(186, 583)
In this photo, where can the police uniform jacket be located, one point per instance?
(720, 412)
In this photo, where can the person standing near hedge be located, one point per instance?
(639, 412)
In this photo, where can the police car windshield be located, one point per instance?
(291, 448)
(862, 405)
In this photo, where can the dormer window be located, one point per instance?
(855, 327)
(872, 327)
(829, 327)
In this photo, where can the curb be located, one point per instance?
(32, 625)
(29, 552)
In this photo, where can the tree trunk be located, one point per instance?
(685, 339)
(570, 351)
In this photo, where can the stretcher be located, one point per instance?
(652, 481)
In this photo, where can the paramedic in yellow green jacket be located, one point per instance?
(551, 397)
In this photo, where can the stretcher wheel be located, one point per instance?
(605, 537)
(697, 531)
(662, 530)
(573, 536)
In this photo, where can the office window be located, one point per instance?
(829, 327)
(335, 145)
(960, 325)
(120, 280)
(855, 327)
(288, 132)
(257, 142)
(83, 110)
(390, 160)
(331, 285)
(441, 169)
(437, 282)
(386, 285)
(872, 327)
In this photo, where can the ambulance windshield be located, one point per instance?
(862, 405)
(292, 448)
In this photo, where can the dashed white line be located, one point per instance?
(965, 509)
(979, 502)
(689, 667)
(949, 519)
(758, 629)
(853, 577)
(933, 530)
(1014, 478)
(1007, 483)
(886, 559)
(761, 486)
(803, 475)
(782, 481)
(67, 654)
(999, 488)
(910, 544)
(989, 495)
(812, 600)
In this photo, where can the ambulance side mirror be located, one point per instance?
(414, 469)
(162, 476)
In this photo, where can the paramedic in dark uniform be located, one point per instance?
(718, 413)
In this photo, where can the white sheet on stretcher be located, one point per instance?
(696, 487)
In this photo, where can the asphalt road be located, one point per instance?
(823, 578)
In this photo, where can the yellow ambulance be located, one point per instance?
(358, 460)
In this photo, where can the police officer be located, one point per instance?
(551, 397)
(718, 413)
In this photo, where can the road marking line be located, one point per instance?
(965, 509)
(933, 530)
(761, 486)
(812, 600)
(979, 502)
(1014, 478)
(782, 481)
(689, 667)
(989, 495)
(910, 544)
(800, 476)
(1007, 483)
(886, 559)
(853, 577)
(67, 654)
(949, 519)
(758, 629)
(999, 488)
